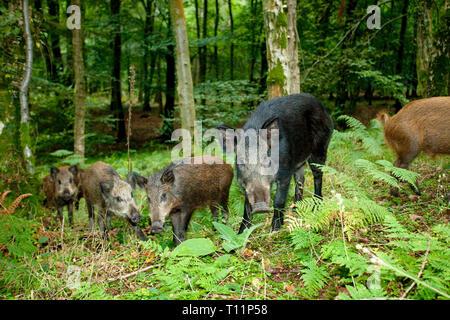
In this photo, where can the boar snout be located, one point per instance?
(157, 227)
(135, 216)
(260, 207)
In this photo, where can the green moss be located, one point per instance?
(283, 40)
(281, 21)
(276, 75)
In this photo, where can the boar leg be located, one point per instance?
(279, 202)
(60, 214)
(91, 216)
(317, 172)
(215, 211)
(138, 231)
(247, 218)
(180, 221)
(299, 177)
(403, 162)
(70, 212)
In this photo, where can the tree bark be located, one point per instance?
(230, 11)
(53, 11)
(148, 30)
(216, 28)
(275, 22)
(293, 80)
(116, 94)
(183, 66)
(80, 91)
(425, 49)
(25, 128)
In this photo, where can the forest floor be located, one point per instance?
(71, 263)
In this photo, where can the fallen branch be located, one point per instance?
(134, 273)
(425, 261)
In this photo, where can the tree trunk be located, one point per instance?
(425, 49)
(203, 55)
(253, 10)
(230, 11)
(53, 11)
(401, 47)
(293, 80)
(116, 94)
(25, 128)
(216, 28)
(183, 66)
(80, 91)
(276, 25)
(148, 30)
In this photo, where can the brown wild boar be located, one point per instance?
(105, 190)
(421, 125)
(62, 188)
(182, 187)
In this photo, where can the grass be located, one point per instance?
(268, 267)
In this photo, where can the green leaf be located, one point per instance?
(195, 248)
(43, 240)
(61, 153)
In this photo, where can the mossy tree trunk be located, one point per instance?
(80, 91)
(293, 79)
(276, 25)
(185, 87)
(25, 128)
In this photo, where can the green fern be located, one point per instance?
(313, 276)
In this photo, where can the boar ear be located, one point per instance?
(227, 138)
(74, 170)
(270, 125)
(168, 176)
(134, 178)
(106, 187)
(53, 172)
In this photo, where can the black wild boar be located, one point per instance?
(61, 188)
(304, 128)
(104, 189)
(182, 187)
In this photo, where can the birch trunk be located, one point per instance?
(25, 129)
(80, 91)
(183, 66)
(276, 25)
(293, 79)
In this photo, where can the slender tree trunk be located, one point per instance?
(183, 66)
(230, 11)
(80, 91)
(276, 25)
(216, 28)
(147, 55)
(25, 128)
(401, 47)
(116, 94)
(197, 57)
(53, 10)
(425, 49)
(253, 9)
(203, 56)
(293, 80)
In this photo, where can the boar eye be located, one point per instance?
(59, 181)
(70, 180)
(118, 199)
(163, 197)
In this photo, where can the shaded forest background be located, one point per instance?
(352, 69)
